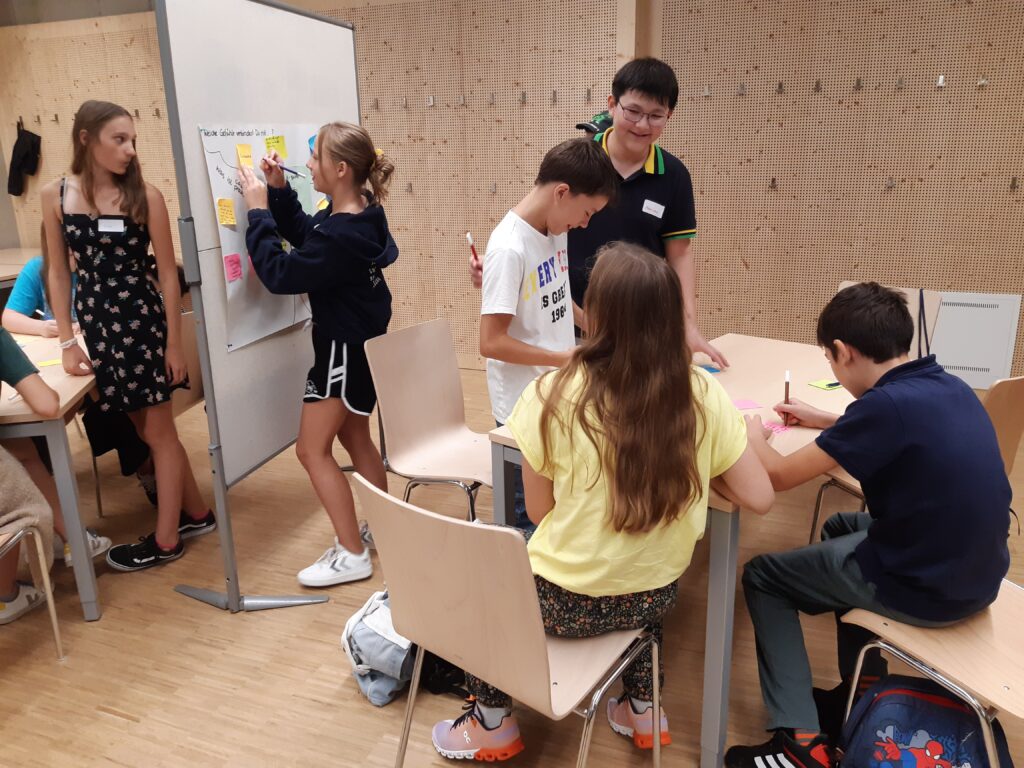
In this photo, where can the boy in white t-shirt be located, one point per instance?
(526, 312)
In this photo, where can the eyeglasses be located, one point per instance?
(634, 115)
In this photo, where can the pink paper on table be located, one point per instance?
(747, 405)
(776, 426)
(233, 267)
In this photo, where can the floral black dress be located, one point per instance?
(119, 309)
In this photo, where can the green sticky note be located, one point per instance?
(826, 384)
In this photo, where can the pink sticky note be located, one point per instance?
(233, 267)
(747, 405)
(776, 426)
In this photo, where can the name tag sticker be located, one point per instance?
(111, 225)
(655, 209)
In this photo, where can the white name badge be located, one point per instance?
(655, 209)
(111, 225)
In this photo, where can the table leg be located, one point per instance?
(725, 534)
(56, 436)
(503, 461)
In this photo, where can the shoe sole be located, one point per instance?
(484, 755)
(132, 568)
(98, 553)
(640, 740)
(191, 533)
(334, 581)
(28, 609)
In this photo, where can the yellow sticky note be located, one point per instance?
(244, 154)
(323, 204)
(226, 211)
(47, 363)
(276, 143)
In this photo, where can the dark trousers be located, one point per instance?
(814, 579)
(522, 520)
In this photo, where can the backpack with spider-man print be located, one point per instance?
(910, 722)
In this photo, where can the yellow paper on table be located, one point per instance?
(244, 154)
(226, 211)
(47, 363)
(276, 143)
(827, 384)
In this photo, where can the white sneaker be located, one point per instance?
(337, 566)
(28, 598)
(98, 545)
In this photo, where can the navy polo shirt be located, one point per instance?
(655, 205)
(926, 455)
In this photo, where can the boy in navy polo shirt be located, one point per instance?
(655, 208)
(931, 551)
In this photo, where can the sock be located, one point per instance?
(804, 737)
(492, 716)
(866, 681)
(640, 705)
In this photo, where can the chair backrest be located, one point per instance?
(419, 391)
(1005, 405)
(464, 591)
(932, 305)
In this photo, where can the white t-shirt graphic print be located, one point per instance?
(526, 274)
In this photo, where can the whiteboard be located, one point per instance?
(250, 62)
(253, 312)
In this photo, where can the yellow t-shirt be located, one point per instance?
(575, 546)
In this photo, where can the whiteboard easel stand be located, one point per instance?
(232, 599)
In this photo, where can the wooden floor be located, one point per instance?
(163, 680)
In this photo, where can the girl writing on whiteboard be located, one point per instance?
(336, 257)
(108, 216)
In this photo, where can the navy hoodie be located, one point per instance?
(337, 260)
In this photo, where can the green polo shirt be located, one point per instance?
(655, 205)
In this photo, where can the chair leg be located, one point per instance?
(48, 589)
(588, 727)
(408, 490)
(410, 704)
(817, 511)
(471, 492)
(656, 684)
(96, 485)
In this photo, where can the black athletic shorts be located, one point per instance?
(340, 370)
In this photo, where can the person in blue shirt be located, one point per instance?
(930, 551)
(28, 312)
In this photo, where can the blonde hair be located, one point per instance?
(351, 144)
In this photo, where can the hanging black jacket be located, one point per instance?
(24, 160)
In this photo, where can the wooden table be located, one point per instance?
(758, 373)
(11, 262)
(18, 420)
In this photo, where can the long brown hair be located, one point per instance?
(636, 405)
(351, 143)
(91, 117)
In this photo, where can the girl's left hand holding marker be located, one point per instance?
(253, 190)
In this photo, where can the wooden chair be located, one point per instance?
(1004, 403)
(980, 660)
(7, 543)
(465, 591)
(424, 437)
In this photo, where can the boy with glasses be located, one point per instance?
(655, 207)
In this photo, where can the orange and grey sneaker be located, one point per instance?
(639, 726)
(468, 738)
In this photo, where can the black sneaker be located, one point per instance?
(145, 554)
(189, 526)
(782, 750)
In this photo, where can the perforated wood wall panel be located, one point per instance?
(453, 154)
(49, 69)
(770, 258)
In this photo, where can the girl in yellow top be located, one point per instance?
(620, 448)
